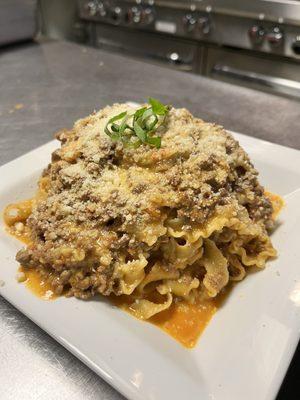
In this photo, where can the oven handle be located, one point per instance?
(285, 86)
(172, 57)
(175, 59)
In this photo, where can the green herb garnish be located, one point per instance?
(138, 128)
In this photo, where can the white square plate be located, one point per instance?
(246, 348)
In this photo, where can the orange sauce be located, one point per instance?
(15, 216)
(37, 285)
(24, 237)
(17, 212)
(183, 321)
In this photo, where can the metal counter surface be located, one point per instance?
(45, 87)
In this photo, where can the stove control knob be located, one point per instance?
(91, 8)
(148, 16)
(256, 34)
(189, 22)
(101, 9)
(203, 25)
(275, 37)
(134, 15)
(116, 14)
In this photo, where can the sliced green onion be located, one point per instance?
(138, 128)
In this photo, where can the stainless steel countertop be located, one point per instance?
(46, 87)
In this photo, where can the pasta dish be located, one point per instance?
(155, 220)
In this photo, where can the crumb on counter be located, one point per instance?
(19, 106)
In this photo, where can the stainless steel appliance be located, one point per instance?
(251, 42)
(17, 20)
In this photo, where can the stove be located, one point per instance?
(252, 42)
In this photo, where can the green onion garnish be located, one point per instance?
(138, 128)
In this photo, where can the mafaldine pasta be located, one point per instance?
(160, 221)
